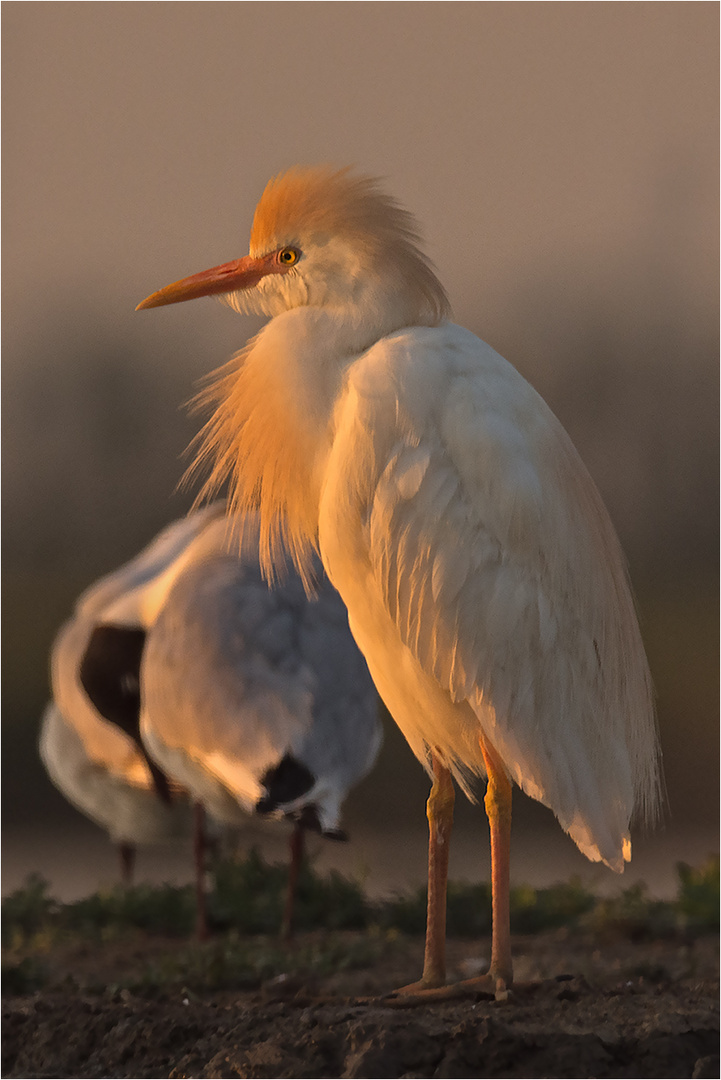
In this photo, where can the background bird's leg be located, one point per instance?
(498, 808)
(297, 851)
(127, 863)
(200, 846)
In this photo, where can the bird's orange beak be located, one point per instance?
(229, 277)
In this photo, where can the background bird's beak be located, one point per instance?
(229, 277)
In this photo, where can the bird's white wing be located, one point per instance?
(497, 562)
(129, 810)
(103, 741)
(222, 677)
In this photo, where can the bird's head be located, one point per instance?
(324, 238)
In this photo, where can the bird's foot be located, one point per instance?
(490, 985)
(420, 993)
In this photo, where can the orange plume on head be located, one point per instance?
(312, 205)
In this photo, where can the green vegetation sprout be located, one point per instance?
(246, 906)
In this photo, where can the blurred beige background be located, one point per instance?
(562, 159)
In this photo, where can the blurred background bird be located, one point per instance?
(250, 700)
(92, 750)
(484, 582)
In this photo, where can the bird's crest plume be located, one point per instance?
(323, 202)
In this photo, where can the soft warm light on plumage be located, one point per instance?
(483, 578)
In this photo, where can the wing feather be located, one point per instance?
(498, 564)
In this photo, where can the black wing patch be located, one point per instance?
(110, 676)
(284, 783)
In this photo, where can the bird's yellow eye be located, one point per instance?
(288, 256)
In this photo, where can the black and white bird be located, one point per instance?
(95, 756)
(253, 700)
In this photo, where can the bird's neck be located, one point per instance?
(272, 429)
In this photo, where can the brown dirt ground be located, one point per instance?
(600, 1008)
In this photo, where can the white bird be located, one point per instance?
(99, 763)
(483, 579)
(252, 700)
(257, 699)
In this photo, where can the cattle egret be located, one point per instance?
(252, 700)
(483, 579)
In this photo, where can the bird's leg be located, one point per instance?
(498, 808)
(500, 975)
(127, 863)
(297, 851)
(200, 845)
(439, 809)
